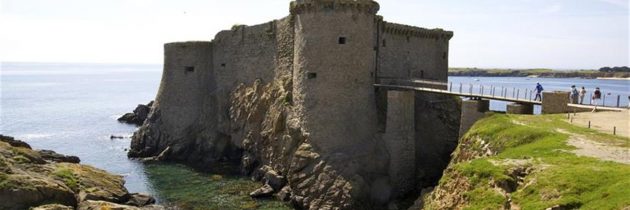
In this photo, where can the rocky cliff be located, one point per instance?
(46, 180)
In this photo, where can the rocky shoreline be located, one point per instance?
(138, 116)
(44, 179)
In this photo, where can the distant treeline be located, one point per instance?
(477, 72)
(615, 69)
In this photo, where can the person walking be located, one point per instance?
(574, 95)
(582, 94)
(597, 95)
(539, 90)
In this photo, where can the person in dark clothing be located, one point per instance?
(539, 90)
(597, 95)
(574, 95)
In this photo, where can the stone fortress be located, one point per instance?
(293, 102)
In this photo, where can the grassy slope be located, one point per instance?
(556, 177)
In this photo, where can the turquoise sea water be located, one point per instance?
(72, 109)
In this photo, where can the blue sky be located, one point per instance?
(564, 34)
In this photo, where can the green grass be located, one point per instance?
(68, 178)
(560, 178)
(186, 188)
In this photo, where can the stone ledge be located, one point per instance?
(400, 29)
(303, 6)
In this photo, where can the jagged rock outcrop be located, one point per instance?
(138, 116)
(56, 157)
(30, 178)
(276, 148)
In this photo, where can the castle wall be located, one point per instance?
(408, 52)
(242, 55)
(333, 81)
(308, 82)
(400, 141)
(180, 100)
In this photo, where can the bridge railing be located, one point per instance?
(608, 99)
(495, 92)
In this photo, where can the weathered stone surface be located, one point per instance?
(262, 192)
(13, 142)
(21, 190)
(53, 207)
(100, 205)
(472, 110)
(31, 178)
(516, 108)
(284, 194)
(139, 199)
(275, 180)
(138, 116)
(555, 102)
(56, 157)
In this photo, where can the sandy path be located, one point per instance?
(598, 150)
(605, 121)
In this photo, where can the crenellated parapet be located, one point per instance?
(400, 29)
(305, 6)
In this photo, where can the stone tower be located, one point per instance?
(334, 63)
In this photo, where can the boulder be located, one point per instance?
(138, 116)
(263, 192)
(284, 194)
(275, 180)
(139, 199)
(56, 157)
(13, 142)
(53, 207)
(31, 178)
(99, 205)
(23, 190)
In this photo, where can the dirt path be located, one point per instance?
(599, 150)
(605, 121)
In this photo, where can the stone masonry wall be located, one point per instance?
(333, 80)
(180, 102)
(399, 138)
(411, 52)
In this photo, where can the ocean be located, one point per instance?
(72, 109)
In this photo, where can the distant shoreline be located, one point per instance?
(541, 73)
(614, 78)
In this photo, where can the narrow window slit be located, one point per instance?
(311, 75)
(342, 40)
